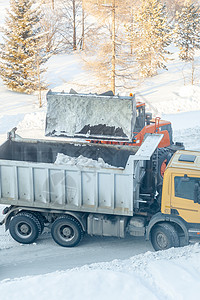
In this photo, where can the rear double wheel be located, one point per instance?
(25, 228)
(41, 221)
(164, 236)
(66, 231)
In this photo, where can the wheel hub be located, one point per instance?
(162, 240)
(66, 232)
(24, 229)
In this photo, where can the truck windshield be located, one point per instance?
(185, 188)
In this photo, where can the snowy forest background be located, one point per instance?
(120, 42)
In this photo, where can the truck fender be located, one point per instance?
(82, 218)
(159, 217)
(12, 211)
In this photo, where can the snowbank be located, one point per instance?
(184, 99)
(171, 274)
(33, 121)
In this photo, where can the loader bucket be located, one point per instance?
(90, 116)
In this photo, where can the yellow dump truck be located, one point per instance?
(113, 192)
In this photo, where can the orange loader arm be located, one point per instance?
(155, 127)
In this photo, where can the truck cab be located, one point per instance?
(178, 223)
(181, 187)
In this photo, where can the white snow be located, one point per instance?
(133, 270)
(70, 113)
(187, 98)
(172, 274)
(81, 161)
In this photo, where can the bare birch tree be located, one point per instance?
(106, 51)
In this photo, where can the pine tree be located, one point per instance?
(22, 53)
(187, 30)
(149, 35)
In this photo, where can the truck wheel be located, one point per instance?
(66, 231)
(24, 228)
(41, 221)
(164, 236)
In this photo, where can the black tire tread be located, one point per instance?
(36, 216)
(41, 221)
(172, 233)
(29, 216)
(76, 222)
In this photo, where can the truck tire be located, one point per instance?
(164, 156)
(164, 236)
(24, 228)
(41, 221)
(66, 231)
(39, 217)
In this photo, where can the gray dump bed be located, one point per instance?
(90, 116)
(29, 177)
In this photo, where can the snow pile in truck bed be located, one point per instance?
(81, 161)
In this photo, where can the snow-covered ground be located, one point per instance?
(172, 274)
(101, 268)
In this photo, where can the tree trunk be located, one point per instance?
(131, 43)
(39, 84)
(193, 71)
(113, 49)
(83, 27)
(38, 74)
(74, 25)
